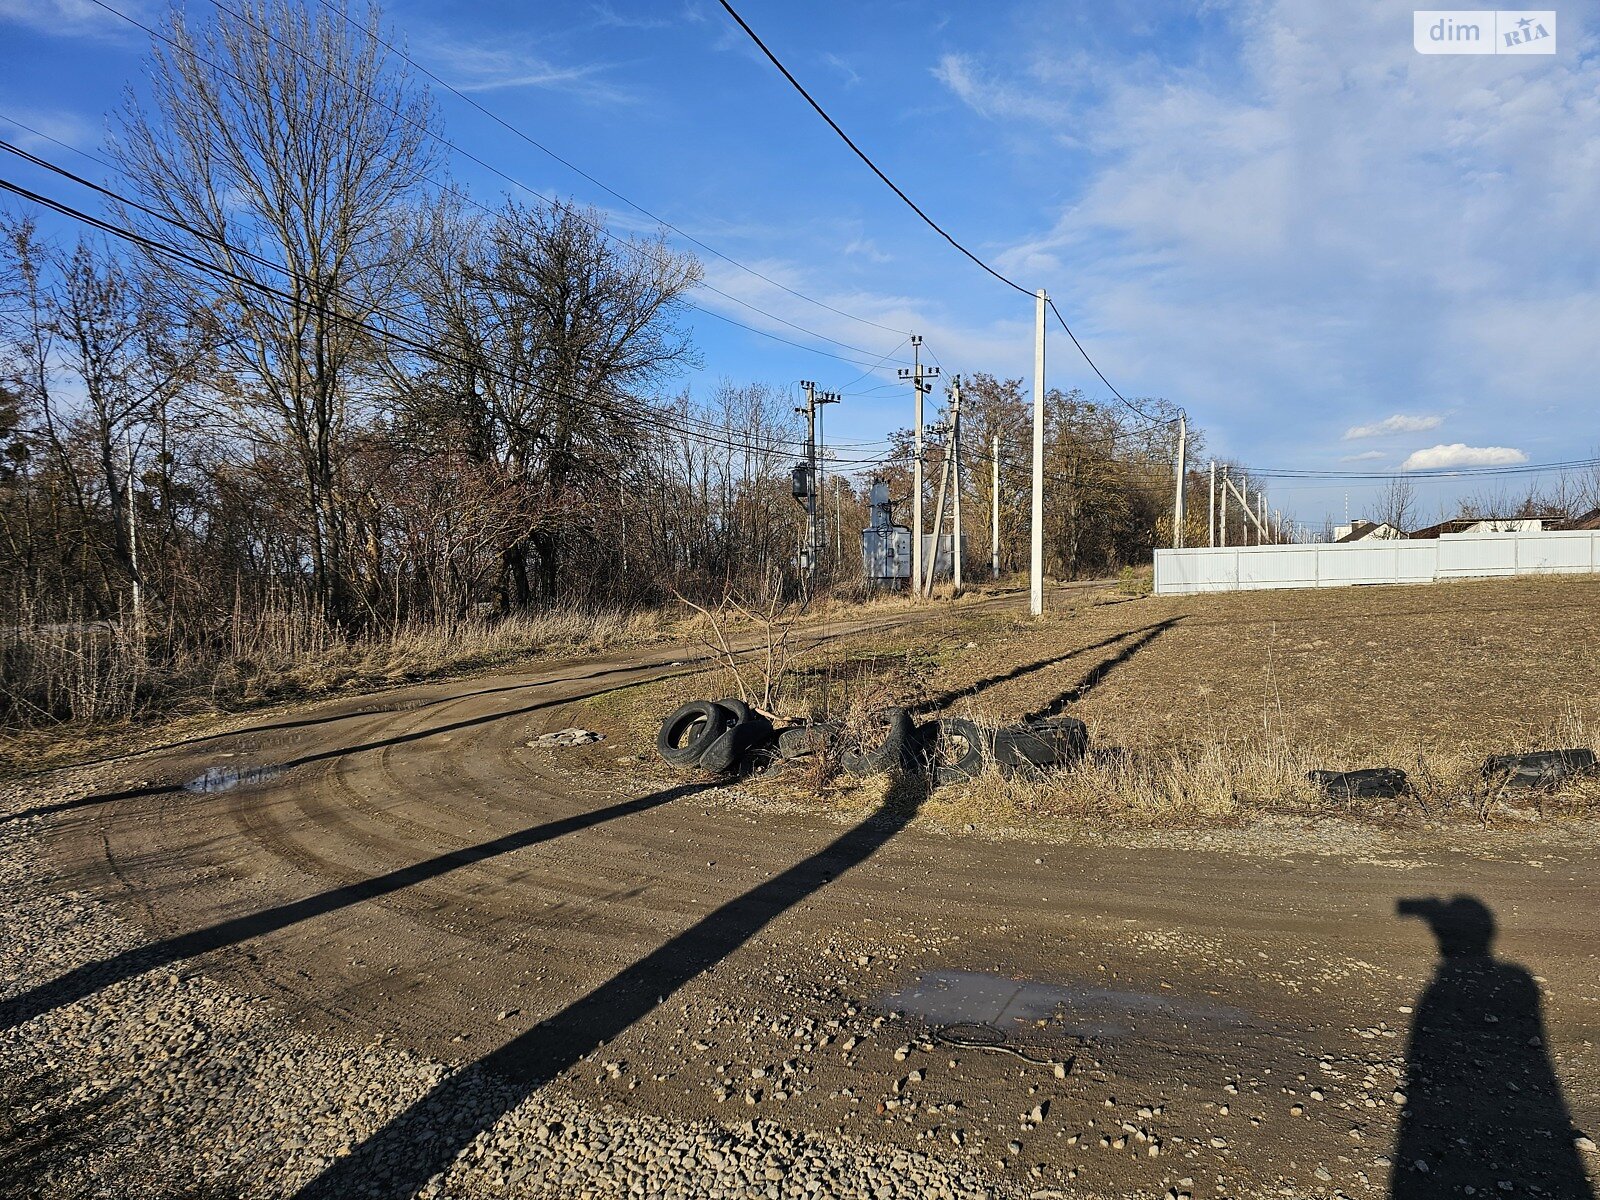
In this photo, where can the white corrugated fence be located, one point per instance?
(1348, 564)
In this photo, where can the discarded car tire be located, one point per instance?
(1039, 745)
(729, 749)
(1369, 783)
(1541, 769)
(801, 740)
(901, 751)
(740, 710)
(686, 734)
(959, 754)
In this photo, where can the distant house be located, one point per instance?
(1589, 520)
(1367, 531)
(1491, 525)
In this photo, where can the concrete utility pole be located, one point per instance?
(941, 430)
(1261, 514)
(814, 398)
(1036, 541)
(916, 377)
(1244, 503)
(955, 468)
(1211, 509)
(1183, 470)
(1222, 523)
(994, 508)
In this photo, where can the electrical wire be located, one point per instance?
(896, 189)
(672, 422)
(609, 190)
(628, 246)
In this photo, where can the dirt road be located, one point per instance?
(1179, 1020)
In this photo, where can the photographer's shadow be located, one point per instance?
(1484, 1114)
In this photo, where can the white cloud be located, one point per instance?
(76, 18)
(1457, 454)
(1399, 423)
(476, 67)
(1321, 194)
(989, 98)
(40, 129)
(1364, 456)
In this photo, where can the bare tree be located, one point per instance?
(1397, 503)
(285, 137)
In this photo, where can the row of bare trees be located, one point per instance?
(319, 383)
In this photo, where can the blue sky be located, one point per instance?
(1335, 252)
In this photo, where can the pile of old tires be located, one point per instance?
(726, 736)
(718, 736)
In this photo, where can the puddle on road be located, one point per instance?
(225, 779)
(1015, 1007)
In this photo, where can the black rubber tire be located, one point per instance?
(1541, 769)
(740, 710)
(800, 741)
(1368, 783)
(904, 749)
(687, 733)
(967, 741)
(728, 751)
(1040, 745)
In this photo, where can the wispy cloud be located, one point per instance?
(76, 18)
(1399, 423)
(1364, 456)
(43, 128)
(851, 75)
(608, 16)
(1457, 454)
(866, 248)
(476, 67)
(1280, 203)
(991, 97)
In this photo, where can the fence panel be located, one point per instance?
(1356, 564)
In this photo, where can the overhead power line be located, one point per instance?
(600, 227)
(605, 187)
(900, 192)
(669, 421)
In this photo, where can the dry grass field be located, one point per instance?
(1214, 707)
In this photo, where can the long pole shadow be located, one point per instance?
(425, 1138)
(1484, 1113)
(944, 699)
(1097, 674)
(85, 980)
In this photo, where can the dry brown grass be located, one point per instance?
(75, 687)
(1210, 709)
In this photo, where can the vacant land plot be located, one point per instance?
(1211, 706)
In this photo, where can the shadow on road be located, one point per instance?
(86, 980)
(1484, 1113)
(425, 1138)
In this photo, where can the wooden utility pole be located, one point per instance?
(917, 375)
(133, 545)
(994, 508)
(1036, 540)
